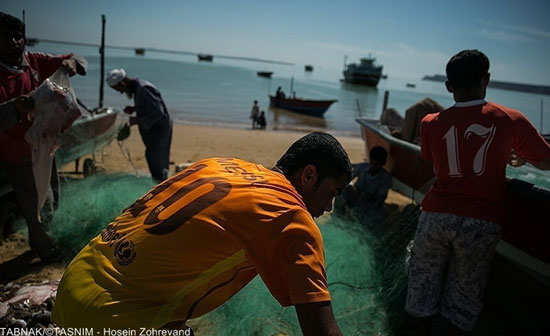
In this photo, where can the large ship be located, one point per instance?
(366, 73)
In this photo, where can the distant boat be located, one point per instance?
(266, 74)
(205, 57)
(308, 68)
(310, 107)
(411, 85)
(365, 73)
(140, 51)
(32, 41)
(384, 76)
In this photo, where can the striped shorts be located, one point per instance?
(449, 263)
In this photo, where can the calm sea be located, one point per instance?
(222, 92)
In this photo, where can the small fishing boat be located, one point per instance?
(310, 107)
(140, 51)
(526, 226)
(308, 68)
(410, 85)
(205, 57)
(266, 74)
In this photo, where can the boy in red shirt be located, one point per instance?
(470, 144)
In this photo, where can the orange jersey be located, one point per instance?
(191, 243)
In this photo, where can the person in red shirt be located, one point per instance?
(470, 144)
(20, 73)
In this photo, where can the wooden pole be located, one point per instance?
(102, 67)
(23, 16)
(541, 114)
(386, 99)
(291, 87)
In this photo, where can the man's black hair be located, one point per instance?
(11, 23)
(379, 154)
(467, 68)
(321, 150)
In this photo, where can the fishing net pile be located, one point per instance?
(365, 263)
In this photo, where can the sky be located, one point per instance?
(409, 38)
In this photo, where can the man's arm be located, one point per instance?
(317, 319)
(13, 110)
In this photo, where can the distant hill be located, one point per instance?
(540, 89)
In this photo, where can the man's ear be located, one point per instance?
(309, 175)
(449, 86)
(485, 80)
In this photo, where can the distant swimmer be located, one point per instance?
(195, 240)
(470, 144)
(152, 118)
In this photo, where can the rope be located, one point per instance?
(126, 154)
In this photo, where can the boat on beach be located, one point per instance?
(316, 108)
(526, 227)
(365, 73)
(205, 57)
(265, 74)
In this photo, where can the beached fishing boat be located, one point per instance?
(205, 57)
(310, 107)
(266, 74)
(365, 73)
(526, 227)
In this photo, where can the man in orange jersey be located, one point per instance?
(470, 144)
(195, 240)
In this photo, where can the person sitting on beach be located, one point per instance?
(152, 118)
(469, 144)
(368, 193)
(254, 114)
(261, 120)
(20, 73)
(194, 241)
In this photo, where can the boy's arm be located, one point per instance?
(317, 319)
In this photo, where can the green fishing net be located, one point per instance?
(365, 263)
(87, 205)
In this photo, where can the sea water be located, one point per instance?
(222, 93)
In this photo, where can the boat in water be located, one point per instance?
(526, 227)
(308, 68)
(205, 57)
(265, 74)
(365, 73)
(316, 108)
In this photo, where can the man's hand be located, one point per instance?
(25, 105)
(129, 109)
(515, 160)
(70, 65)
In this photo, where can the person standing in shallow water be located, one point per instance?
(470, 144)
(152, 118)
(254, 114)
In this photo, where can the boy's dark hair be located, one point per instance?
(11, 23)
(467, 68)
(321, 150)
(379, 154)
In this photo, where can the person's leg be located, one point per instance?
(427, 266)
(22, 181)
(157, 141)
(473, 250)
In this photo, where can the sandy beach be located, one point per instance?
(192, 143)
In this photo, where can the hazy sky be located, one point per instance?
(410, 38)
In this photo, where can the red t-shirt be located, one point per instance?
(470, 147)
(13, 83)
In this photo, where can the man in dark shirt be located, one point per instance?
(152, 118)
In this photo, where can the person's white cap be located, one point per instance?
(115, 76)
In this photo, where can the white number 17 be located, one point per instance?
(451, 140)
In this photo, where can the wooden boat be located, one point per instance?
(140, 51)
(205, 57)
(410, 85)
(266, 74)
(308, 68)
(310, 107)
(526, 227)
